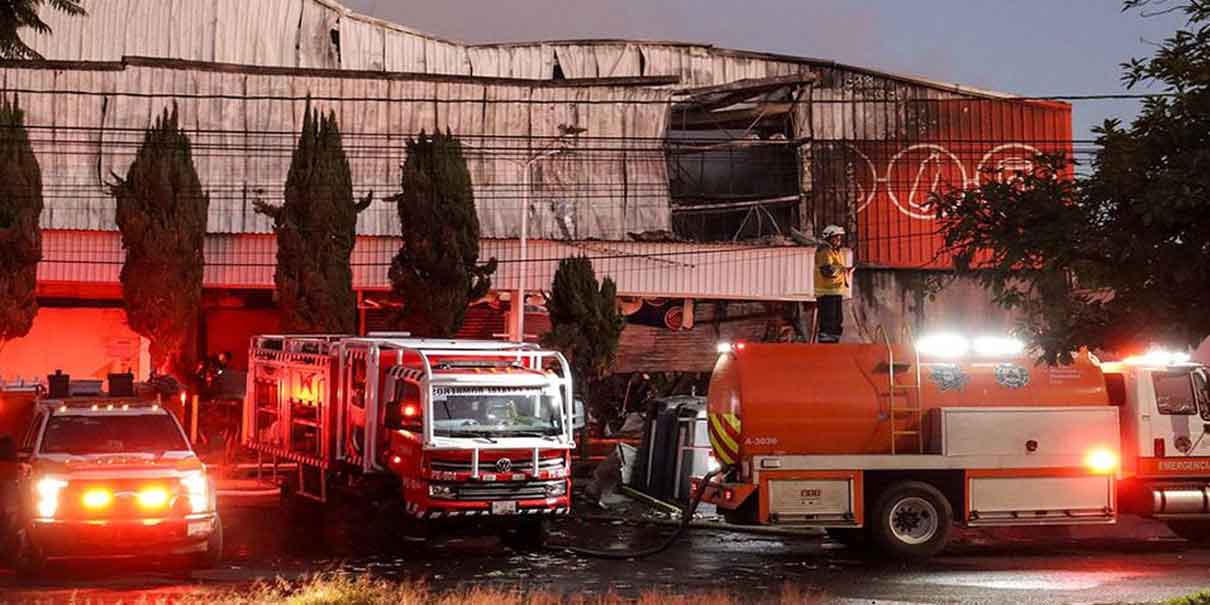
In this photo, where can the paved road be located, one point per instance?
(979, 569)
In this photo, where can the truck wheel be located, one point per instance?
(1193, 531)
(911, 520)
(852, 537)
(528, 535)
(29, 562)
(213, 555)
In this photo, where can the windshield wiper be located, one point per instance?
(532, 434)
(481, 434)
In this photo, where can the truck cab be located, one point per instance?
(106, 478)
(1164, 403)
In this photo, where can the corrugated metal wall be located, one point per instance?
(324, 34)
(879, 148)
(874, 145)
(87, 122)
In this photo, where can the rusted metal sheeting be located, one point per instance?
(881, 148)
(714, 271)
(87, 123)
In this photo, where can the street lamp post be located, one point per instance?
(519, 304)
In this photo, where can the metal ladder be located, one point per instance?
(907, 420)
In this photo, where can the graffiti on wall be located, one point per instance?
(910, 177)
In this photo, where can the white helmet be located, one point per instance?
(832, 230)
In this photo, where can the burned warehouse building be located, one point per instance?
(696, 177)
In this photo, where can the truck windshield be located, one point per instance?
(496, 412)
(1174, 394)
(116, 434)
(1202, 389)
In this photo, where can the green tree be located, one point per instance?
(585, 322)
(161, 213)
(1113, 260)
(20, 233)
(316, 228)
(16, 15)
(436, 274)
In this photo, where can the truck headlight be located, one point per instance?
(48, 489)
(439, 490)
(197, 489)
(554, 490)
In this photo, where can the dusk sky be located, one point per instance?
(1029, 47)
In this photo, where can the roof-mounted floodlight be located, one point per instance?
(945, 345)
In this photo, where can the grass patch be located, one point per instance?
(1200, 598)
(342, 589)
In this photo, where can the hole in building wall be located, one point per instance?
(732, 193)
(335, 35)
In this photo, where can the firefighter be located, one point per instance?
(831, 282)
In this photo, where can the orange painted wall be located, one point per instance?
(86, 343)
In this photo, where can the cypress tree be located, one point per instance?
(16, 15)
(436, 275)
(316, 228)
(161, 213)
(20, 233)
(585, 322)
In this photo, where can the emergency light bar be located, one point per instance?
(943, 345)
(1158, 357)
(953, 346)
(114, 405)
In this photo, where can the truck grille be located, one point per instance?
(530, 490)
(488, 465)
(123, 500)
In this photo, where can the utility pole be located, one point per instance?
(567, 133)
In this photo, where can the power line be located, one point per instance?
(668, 99)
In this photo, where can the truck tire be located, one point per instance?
(1197, 531)
(911, 520)
(29, 562)
(528, 535)
(213, 555)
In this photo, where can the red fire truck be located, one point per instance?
(890, 445)
(452, 428)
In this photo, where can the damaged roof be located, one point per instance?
(323, 34)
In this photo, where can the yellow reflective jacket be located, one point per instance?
(833, 279)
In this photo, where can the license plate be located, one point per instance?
(199, 528)
(504, 508)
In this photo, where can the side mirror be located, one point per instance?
(394, 418)
(397, 421)
(8, 449)
(579, 419)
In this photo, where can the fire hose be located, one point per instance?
(687, 513)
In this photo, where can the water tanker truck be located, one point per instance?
(891, 445)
